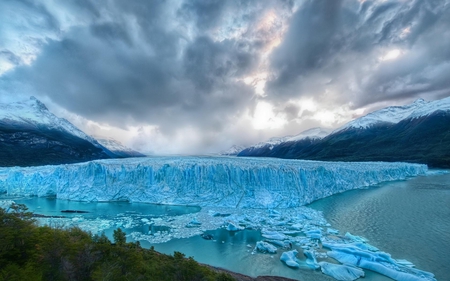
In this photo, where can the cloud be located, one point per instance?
(336, 49)
(139, 69)
(205, 68)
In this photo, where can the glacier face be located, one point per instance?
(203, 181)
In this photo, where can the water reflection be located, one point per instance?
(53, 207)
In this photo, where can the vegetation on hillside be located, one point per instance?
(31, 252)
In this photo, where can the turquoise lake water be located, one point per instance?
(408, 219)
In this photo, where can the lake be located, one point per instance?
(408, 219)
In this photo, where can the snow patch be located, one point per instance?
(395, 114)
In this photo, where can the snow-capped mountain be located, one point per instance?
(418, 132)
(34, 114)
(270, 143)
(313, 134)
(395, 114)
(233, 150)
(31, 135)
(118, 148)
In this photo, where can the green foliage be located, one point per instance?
(29, 252)
(119, 237)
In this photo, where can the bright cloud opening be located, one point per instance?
(265, 117)
(393, 54)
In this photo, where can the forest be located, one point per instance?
(32, 252)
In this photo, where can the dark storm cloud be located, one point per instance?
(180, 64)
(208, 63)
(423, 69)
(339, 47)
(307, 45)
(120, 72)
(206, 14)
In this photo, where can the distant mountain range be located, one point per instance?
(418, 133)
(264, 148)
(117, 148)
(31, 135)
(233, 150)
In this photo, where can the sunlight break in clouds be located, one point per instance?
(265, 117)
(392, 54)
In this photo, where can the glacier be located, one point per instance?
(202, 181)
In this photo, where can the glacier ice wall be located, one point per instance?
(203, 181)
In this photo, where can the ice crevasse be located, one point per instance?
(203, 181)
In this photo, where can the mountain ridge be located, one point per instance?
(117, 147)
(30, 135)
(417, 133)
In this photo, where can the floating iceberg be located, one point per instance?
(233, 227)
(273, 235)
(265, 247)
(203, 181)
(314, 234)
(290, 259)
(368, 257)
(341, 272)
(311, 259)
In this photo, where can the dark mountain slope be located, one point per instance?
(425, 139)
(32, 147)
(31, 135)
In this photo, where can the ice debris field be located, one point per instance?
(235, 194)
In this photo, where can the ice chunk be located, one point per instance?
(283, 244)
(355, 238)
(231, 226)
(341, 272)
(207, 236)
(332, 231)
(393, 273)
(292, 232)
(311, 259)
(273, 235)
(290, 259)
(265, 247)
(405, 263)
(362, 255)
(193, 223)
(314, 234)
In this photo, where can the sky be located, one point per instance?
(194, 77)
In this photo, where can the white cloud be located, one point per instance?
(265, 117)
(391, 55)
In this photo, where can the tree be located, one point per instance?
(119, 237)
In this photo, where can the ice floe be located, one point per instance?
(265, 247)
(366, 256)
(290, 258)
(341, 272)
